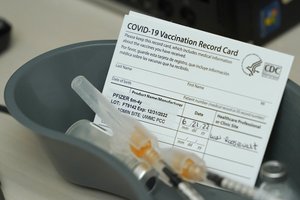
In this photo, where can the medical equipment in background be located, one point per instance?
(275, 181)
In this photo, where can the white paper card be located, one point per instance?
(197, 91)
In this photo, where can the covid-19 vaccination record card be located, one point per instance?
(211, 95)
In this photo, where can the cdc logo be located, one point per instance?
(271, 71)
(250, 64)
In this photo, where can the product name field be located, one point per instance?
(183, 40)
(134, 108)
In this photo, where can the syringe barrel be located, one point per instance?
(189, 166)
(101, 106)
(91, 133)
(101, 137)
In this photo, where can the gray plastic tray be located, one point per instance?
(40, 97)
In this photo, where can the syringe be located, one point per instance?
(101, 137)
(192, 168)
(129, 131)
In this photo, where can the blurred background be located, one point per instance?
(251, 21)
